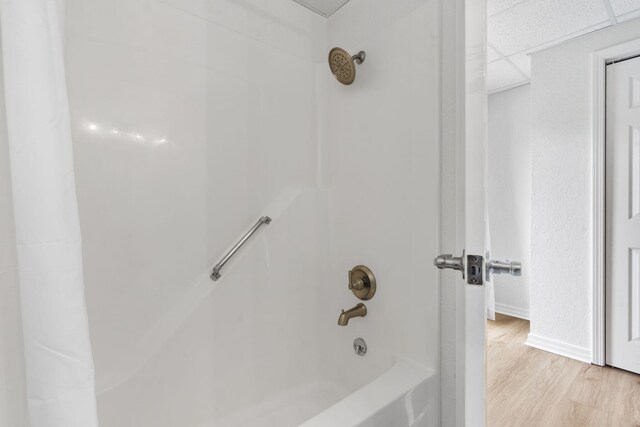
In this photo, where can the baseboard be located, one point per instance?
(512, 311)
(560, 348)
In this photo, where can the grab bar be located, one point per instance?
(215, 274)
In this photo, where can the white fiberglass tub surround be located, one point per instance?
(191, 119)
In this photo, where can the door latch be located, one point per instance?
(470, 266)
(495, 266)
(474, 269)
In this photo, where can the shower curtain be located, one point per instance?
(59, 364)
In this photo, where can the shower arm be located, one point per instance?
(215, 274)
(359, 57)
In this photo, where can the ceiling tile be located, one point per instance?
(501, 75)
(523, 62)
(537, 22)
(497, 6)
(621, 7)
(492, 54)
(323, 7)
(628, 16)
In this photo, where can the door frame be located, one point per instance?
(599, 61)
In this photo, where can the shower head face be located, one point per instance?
(342, 66)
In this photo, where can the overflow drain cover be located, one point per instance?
(360, 347)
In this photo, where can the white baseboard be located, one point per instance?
(559, 348)
(509, 310)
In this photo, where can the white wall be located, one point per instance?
(561, 219)
(509, 194)
(189, 120)
(381, 170)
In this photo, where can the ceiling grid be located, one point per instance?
(518, 27)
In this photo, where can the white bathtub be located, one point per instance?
(404, 396)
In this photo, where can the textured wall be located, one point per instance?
(509, 194)
(561, 243)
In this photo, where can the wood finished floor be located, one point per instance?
(529, 387)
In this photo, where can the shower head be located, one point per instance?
(343, 65)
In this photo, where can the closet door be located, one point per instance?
(623, 215)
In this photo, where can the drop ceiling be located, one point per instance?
(515, 28)
(519, 27)
(323, 7)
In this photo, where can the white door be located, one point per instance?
(475, 194)
(466, 101)
(471, 313)
(623, 215)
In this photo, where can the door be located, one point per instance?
(465, 99)
(475, 195)
(471, 225)
(623, 215)
(464, 124)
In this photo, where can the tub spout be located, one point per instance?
(359, 310)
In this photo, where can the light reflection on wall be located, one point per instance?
(124, 134)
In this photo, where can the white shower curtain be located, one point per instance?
(59, 364)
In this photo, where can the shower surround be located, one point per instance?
(193, 118)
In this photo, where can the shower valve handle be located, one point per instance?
(357, 284)
(362, 282)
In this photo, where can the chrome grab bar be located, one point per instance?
(215, 274)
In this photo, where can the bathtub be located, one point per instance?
(404, 396)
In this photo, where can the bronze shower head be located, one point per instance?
(343, 65)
